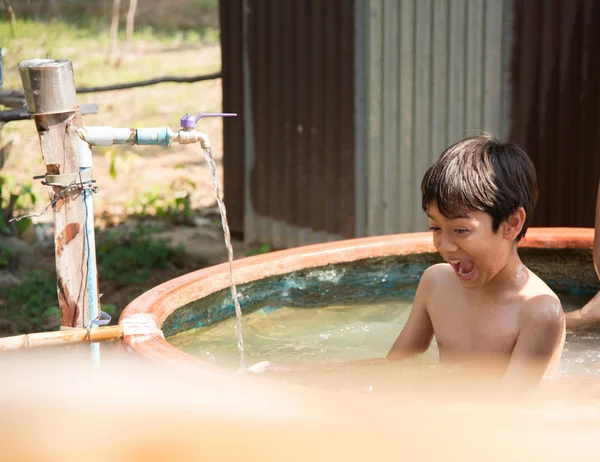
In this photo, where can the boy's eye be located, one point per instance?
(461, 231)
(434, 228)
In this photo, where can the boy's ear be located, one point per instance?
(514, 224)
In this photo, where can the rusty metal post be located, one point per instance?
(49, 88)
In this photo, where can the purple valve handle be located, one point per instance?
(189, 121)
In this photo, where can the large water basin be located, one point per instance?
(336, 302)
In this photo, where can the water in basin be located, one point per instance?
(343, 312)
(337, 334)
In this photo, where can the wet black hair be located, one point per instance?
(481, 173)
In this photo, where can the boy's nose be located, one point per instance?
(446, 245)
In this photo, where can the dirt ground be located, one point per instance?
(141, 172)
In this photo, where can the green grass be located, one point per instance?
(165, 16)
(6, 256)
(87, 48)
(129, 257)
(153, 54)
(136, 177)
(32, 305)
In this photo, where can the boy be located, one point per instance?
(590, 313)
(483, 303)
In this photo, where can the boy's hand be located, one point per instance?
(268, 366)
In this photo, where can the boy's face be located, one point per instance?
(475, 252)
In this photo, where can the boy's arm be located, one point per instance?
(596, 253)
(539, 343)
(590, 313)
(417, 334)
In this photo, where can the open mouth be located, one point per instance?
(464, 269)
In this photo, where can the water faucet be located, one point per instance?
(161, 136)
(188, 121)
(187, 133)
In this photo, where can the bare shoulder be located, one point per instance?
(432, 280)
(436, 277)
(437, 273)
(541, 307)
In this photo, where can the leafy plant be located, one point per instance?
(265, 248)
(112, 166)
(109, 309)
(129, 257)
(30, 303)
(15, 200)
(175, 207)
(33, 304)
(6, 256)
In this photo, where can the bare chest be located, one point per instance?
(463, 329)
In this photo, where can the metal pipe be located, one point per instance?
(191, 136)
(49, 85)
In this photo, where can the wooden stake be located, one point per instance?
(62, 337)
(58, 134)
(50, 93)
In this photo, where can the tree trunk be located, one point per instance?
(131, 21)
(114, 29)
(53, 9)
(11, 16)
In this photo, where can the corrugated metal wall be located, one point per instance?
(556, 104)
(348, 103)
(232, 44)
(298, 119)
(433, 71)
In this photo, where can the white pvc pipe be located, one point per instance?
(85, 165)
(107, 136)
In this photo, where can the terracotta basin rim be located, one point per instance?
(155, 305)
